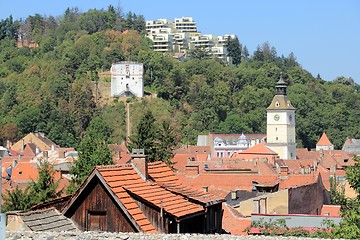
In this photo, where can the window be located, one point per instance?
(277, 138)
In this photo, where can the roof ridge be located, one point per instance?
(120, 166)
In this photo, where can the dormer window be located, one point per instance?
(277, 104)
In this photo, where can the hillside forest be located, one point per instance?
(47, 85)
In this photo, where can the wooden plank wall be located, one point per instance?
(96, 199)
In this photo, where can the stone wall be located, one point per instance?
(122, 236)
(307, 199)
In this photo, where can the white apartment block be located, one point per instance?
(181, 35)
(157, 24)
(127, 79)
(185, 24)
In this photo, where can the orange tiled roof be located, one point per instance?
(25, 172)
(298, 180)
(324, 141)
(233, 222)
(165, 177)
(331, 210)
(126, 184)
(258, 149)
(305, 154)
(30, 150)
(114, 177)
(224, 183)
(194, 150)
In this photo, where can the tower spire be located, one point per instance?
(281, 86)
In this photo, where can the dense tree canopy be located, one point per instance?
(48, 86)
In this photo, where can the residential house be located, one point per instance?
(352, 146)
(142, 197)
(38, 138)
(224, 145)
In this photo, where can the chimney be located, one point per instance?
(45, 155)
(284, 170)
(8, 144)
(37, 151)
(139, 162)
(315, 165)
(14, 163)
(192, 170)
(53, 148)
(233, 195)
(22, 144)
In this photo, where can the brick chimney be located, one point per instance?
(139, 162)
(284, 170)
(192, 170)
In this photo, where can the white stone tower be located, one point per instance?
(280, 130)
(127, 79)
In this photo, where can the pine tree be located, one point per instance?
(93, 151)
(45, 188)
(145, 136)
(234, 49)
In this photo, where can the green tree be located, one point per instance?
(166, 143)
(234, 49)
(17, 200)
(93, 151)
(145, 136)
(353, 176)
(41, 190)
(45, 188)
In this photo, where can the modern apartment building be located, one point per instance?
(185, 24)
(181, 35)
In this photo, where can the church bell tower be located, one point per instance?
(280, 132)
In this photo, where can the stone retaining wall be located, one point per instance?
(122, 236)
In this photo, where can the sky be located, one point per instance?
(324, 35)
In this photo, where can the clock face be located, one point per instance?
(276, 117)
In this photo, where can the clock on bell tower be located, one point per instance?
(280, 131)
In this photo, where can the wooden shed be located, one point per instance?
(127, 198)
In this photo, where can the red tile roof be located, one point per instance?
(305, 154)
(234, 222)
(258, 149)
(25, 172)
(324, 141)
(294, 181)
(165, 191)
(163, 176)
(194, 150)
(224, 183)
(331, 210)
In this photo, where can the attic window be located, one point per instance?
(346, 159)
(20, 172)
(277, 104)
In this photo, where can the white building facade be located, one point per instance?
(127, 79)
(181, 35)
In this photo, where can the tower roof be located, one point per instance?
(324, 141)
(281, 100)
